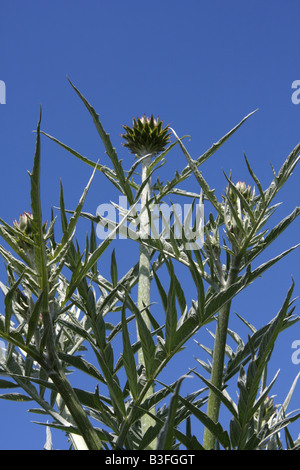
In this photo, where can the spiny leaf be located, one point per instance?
(11, 236)
(7, 384)
(128, 358)
(171, 313)
(215, 428)
(35, 317)
(283, 174)
(114, 269)
(166, 436)
(109, 148)
(93, 257)
(272, 235)
(69, 229)
(185, 173)
(8, 302)
(203, 184)
(81, 364)
(216, 146)
(69, 429)
(230, 405)
(255, 179)
(219, 299)
(108, 172)
(15, 397)
(147, 342)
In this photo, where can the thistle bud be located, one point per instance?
(24, 224)
(146, 136)
(243, 189)
(24, 227)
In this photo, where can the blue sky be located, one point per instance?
(201, 66)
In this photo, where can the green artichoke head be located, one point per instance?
(146, 136)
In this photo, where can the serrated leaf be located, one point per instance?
(128, 358)
(230, 405)
(72, 429)
(10, 236)
(271, 236)
(185, 173)
(108, 172)
(113, 386)
(113, 269)
(93, 257)
(15, 397)
(171, 314)
(78, 329)
(7, 384)
(179, 292)
(147, 342)
(69, 228)
(162, 292)
(124, 184)
(34, 317)
(198, 175)
(283, 174)
(235, 432)
(166, 436)
(215, 428)
(8, 302)
(81, 364)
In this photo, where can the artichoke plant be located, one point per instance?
(61, 314)
(145, 138)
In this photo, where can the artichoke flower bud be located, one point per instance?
(24, 224)
(25, 227)
(237, 198)
(243, 189)
(212, 243)
(269, 406)
(146, 136)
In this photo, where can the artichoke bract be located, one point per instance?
(146, 136)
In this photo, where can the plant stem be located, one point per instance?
(144, 255)
(78, 414)
(144, 280)
(214, 402)
(58, 377)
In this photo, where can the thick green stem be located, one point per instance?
(213, 406)
(78, 414)
(144, 279)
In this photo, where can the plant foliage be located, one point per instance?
(63, 317)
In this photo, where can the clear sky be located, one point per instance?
(201, 66)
